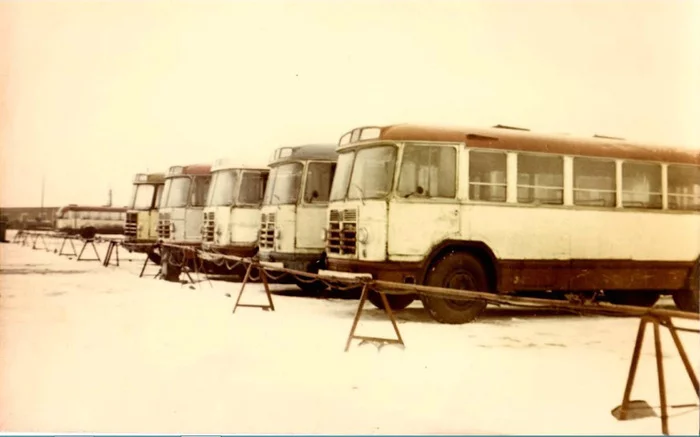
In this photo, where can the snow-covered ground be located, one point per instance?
(85, 348)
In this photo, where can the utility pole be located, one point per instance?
(43, 187)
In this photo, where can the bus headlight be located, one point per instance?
(362, 235)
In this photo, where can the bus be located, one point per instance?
(88, 221)
(231, 216)
(180, 215)
(294, 209)
(140, 227)
(506, 210)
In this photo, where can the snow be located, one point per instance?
(88, 348)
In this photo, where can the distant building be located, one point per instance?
(30, 217)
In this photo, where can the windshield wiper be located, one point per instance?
(362, 193)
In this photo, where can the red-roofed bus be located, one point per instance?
(507, 210)
(180, 214)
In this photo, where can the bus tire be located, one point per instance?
(154, 257)
(689, 300)
(637, 298)
(88, 233)
(461, 271)
(396, 301)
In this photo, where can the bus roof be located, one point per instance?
(320, 152)
(192, 170)
(517, 139)
(149, 178)
(74, 207)
(233, 163)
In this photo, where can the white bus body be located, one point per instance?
(294, 208)
(88, 221)
(231, 217)
(503, 210)
(180, 213)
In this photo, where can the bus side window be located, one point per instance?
(684, 187)
(540, 179)
(641, 185)
(429, 171)
(594, 182)
(487, 176)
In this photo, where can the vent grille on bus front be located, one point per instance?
(208, 225)
(342, 232)
(163, 228)
(267, 231)
(130, 225)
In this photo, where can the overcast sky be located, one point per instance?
(92, 92)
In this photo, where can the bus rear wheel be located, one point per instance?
(637, 298)
(154, 257)
(460, 271)
(687, 300)
(396, 301)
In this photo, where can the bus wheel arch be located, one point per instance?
(478, 249)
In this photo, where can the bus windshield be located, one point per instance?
(252, 188)
(222, 190)
(177, 190)
(284, 184)
(366, 173)
(143, 197)
(159, 195)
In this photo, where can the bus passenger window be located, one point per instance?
(684, 187)
(540, 179)
(641, 185)
(594, 182)
(487, 176)
(428, 171)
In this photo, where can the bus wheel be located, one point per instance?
(88, 233)
(169, 271)
(154, 257)
(637, 298)
(687, 300)
(396, 301)
(459, 271)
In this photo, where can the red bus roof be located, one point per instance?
(506, 138)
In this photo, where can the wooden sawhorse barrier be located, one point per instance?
(86, 242)
(622, 411)
(112, 249)
(270, 305)
(63, 244)
(151, 249)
